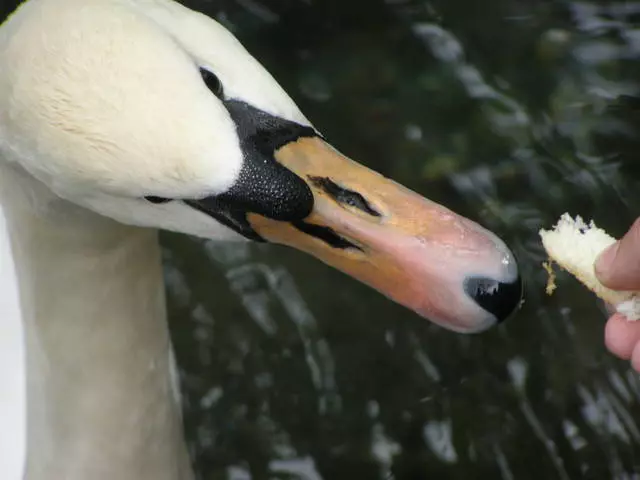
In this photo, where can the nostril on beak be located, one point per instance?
(498, 298)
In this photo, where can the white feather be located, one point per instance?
(12, 366)
(86, 116)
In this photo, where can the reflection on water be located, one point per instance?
(510, 112)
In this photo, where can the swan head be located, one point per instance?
(154, 115)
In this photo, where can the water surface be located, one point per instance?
(511, 113)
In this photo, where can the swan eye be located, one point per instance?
(212, 82)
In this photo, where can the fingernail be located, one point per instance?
(605, 260)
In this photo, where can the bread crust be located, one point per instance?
(575, 245)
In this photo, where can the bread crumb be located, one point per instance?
(551, 280)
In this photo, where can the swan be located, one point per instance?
(122, 117)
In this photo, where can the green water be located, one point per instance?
(510, 112)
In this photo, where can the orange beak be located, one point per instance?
(414, 251)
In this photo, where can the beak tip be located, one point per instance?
(500, 299)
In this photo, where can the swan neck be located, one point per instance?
(100, 396)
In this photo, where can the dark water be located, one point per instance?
(510, 112)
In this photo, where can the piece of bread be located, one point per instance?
(575, 246)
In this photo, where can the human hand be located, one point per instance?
(618, 267)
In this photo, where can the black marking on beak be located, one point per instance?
(263, 186)
(499, 298)
(343, 195)
(227, 214)
(157, 200)
(325, 234)
(261, 132)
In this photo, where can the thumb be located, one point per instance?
(618, 266)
